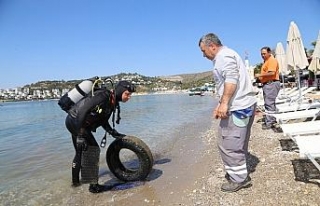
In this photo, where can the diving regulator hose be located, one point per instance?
(99, 80)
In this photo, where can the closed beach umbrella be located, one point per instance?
(296, 56)
(315, 62)
(281, 58)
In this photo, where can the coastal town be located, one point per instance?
(145, 85)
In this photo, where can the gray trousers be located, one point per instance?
(233, 147)
(270, 93)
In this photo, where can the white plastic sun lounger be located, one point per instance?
(295, 96)
(296, 106)
(296, 92)
(301, 128)
(287, 90)
(292, 98)
(284, 117)
(309, 147)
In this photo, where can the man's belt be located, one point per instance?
(269, 82)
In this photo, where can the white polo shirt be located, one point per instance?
(229, 67)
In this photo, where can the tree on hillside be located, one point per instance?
(257, 69)
(310, 52)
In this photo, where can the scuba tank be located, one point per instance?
(74, 95)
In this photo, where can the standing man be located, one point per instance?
(236, 110)
(269, 77)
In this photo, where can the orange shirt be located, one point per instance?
(270, 65)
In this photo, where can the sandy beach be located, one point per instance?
(192, 173)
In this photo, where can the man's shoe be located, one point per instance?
(262, 120)
(276, 128)
(234, 186)
(227, 176)
(265, 127)
(96, 188)
(76, 183)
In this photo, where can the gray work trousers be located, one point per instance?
(270, 93)
(233, 146)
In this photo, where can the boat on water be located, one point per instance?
(193, 93)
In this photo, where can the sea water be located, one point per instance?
(36, 149)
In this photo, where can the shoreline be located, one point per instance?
(133, 94)
(195, 174)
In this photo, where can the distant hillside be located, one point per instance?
(145, 83)
(190, 80)
(197, 76)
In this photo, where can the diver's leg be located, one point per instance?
(90, 165)
(76, 164)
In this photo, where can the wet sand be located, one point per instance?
(191, 173)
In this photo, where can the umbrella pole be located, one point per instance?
(297, 74)
(315, 79)
(284, 86)
(315, 76)
(299, 83)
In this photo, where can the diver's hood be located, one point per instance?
(121, 87)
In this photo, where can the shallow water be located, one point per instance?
(36, 149)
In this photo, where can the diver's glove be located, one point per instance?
(82, 143)
(114, 133)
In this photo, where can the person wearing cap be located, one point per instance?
(236, 110)
(84, 118)
(269, 77)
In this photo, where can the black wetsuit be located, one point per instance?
(86, 116)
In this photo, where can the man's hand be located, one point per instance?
(221, 111)
(114, 133)
(82, 143)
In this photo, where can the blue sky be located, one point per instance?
(78, 39)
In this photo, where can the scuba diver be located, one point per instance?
(84, 118)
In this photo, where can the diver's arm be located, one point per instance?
(106, 126)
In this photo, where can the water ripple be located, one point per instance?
(36, 148)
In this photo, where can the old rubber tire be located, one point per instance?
(139, 148)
